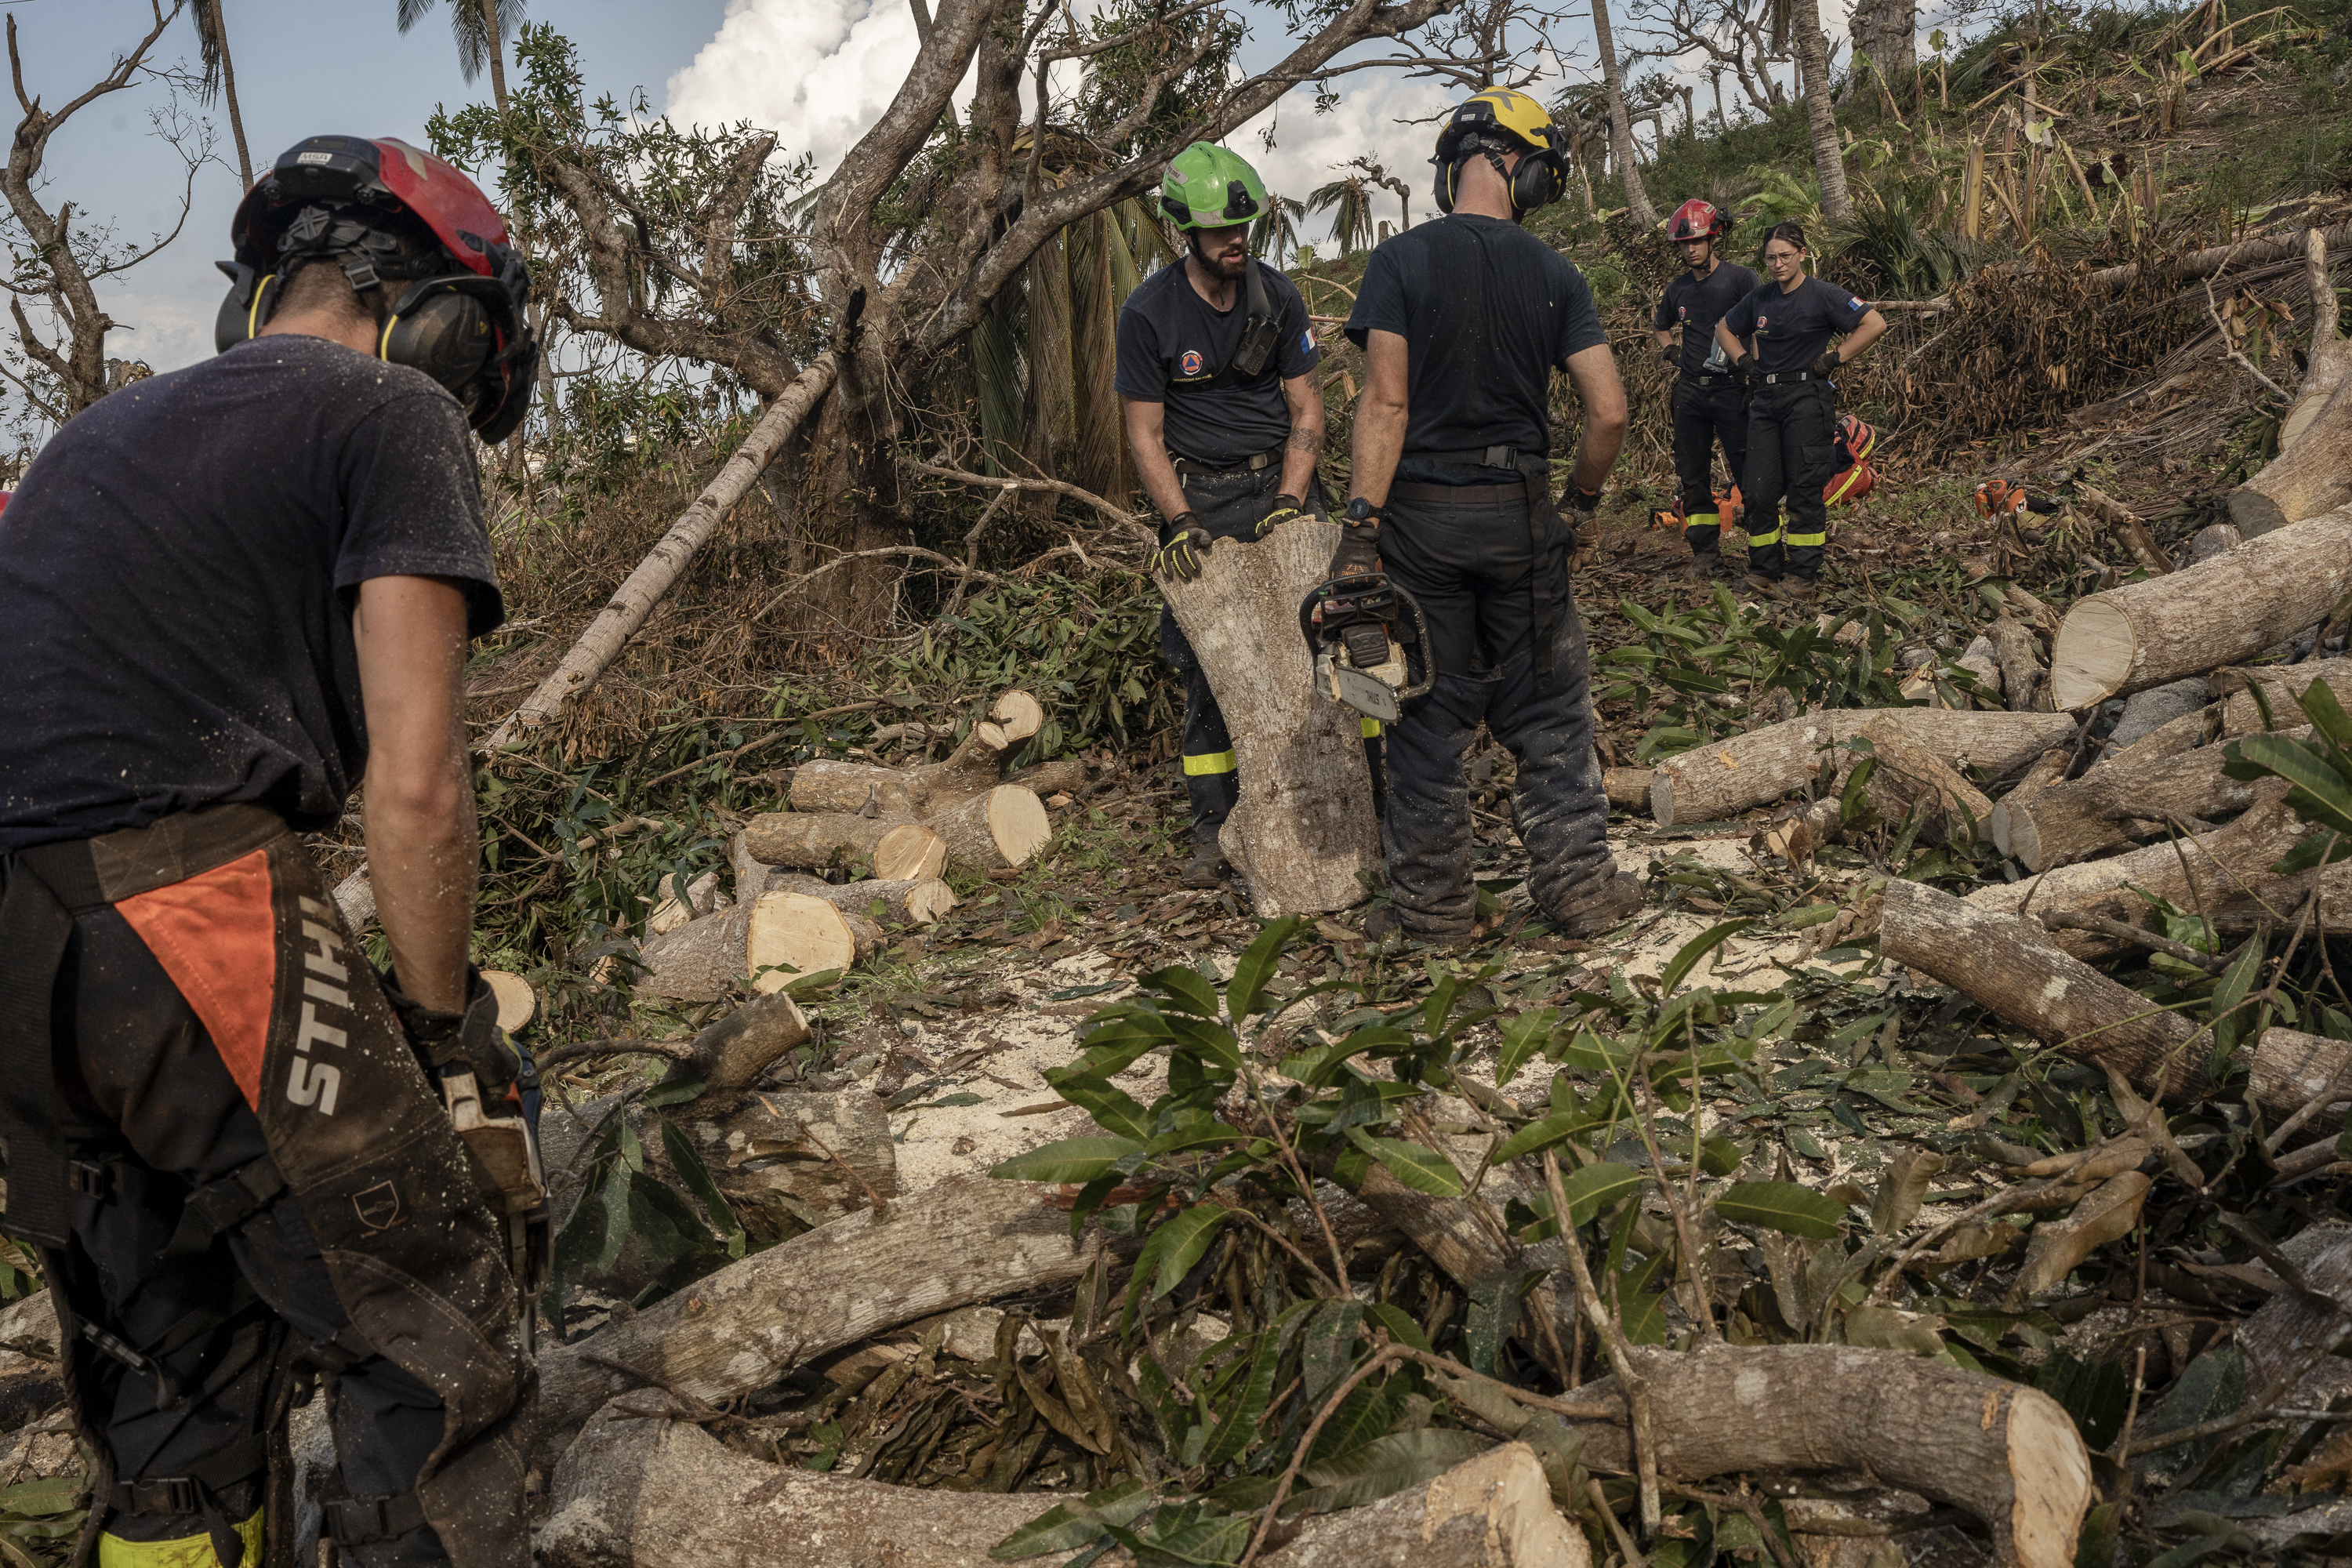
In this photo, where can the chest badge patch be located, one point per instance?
(1190, 362)
(1763, 323)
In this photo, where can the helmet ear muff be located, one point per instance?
(1537, 180)
(247, 309)
(442, 330)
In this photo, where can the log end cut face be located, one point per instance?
(2093, 656)
(2050, 1476)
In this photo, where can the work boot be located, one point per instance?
(1763, 587)
(1604, 909)
(1703, 565)
(1207, 867)
(1801, 588)
(1384, 921)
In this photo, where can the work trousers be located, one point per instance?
(1791, 452)
(1707, 411)
(1229, 506)
(1490, 581)
(255, 1176)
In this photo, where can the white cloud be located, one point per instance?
(816, 73)
(1367, 121)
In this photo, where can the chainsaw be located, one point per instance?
(1357, 627)
(2000, 498)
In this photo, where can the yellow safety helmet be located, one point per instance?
(1493, 123)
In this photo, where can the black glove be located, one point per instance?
(1360, 545)
(1286, 510)
(1582, 502)
(1672, 358)
(1179, 558)
(1827, 364)
(1743, 366)
(470, 1041)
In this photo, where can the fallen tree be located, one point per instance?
(2313, 470)
(1723, 778)
(2108, 807)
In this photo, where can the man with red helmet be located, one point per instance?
(1707, 397)
(230, 593)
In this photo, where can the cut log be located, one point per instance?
(2233, 607)
(860, 789)
(2007, 1454)
(977, 765)
(1466, 1235)
(2282, 687)
(813, 840)
(518, 1003)
(733, 1052)
(2015, 971)
(2105, 810)
(2125, 525)
(1062, 775)
(2311, 478)
(907, 901)
(1004, 827)
(2290, 1069)
(2330, 355)
(636, 1493)
(1629, 788)
(1304, 825)
(909, 853)
(1910, 778)
(2214, 538)
(2049, 770)
(2020, 663)
(2198, 727)
(1724, 778)
(966, 1240)
(2287, 1332)
(774, 939)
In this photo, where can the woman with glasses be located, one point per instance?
(1779, 339)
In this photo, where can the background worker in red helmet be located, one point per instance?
(1707, 403)
(229, 593)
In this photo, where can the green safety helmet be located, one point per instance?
(1209, 187)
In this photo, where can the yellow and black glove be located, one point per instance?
(1286, 510)
(1181, 556)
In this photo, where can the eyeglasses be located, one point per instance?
(1783, 257)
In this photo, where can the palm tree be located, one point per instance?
(1276, 230)
(220, 76)
(1350, 202)
(482, 26)
(1620, 131)
(1829, 156)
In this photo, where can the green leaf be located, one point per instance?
(1588, 1191)
(1698, 947)
(1071, 1160)
(1903, 1189)
(2320, 846)
(1245, 993)
(2232, 1020)
(1185, 989)
(1523, 1036)
(1112, 1108)
(2320, 797)
(1073, 1525)
(1213, 1041)
(696, 1177)
(1186, 1240)
(1783, 1207)
(1196, 1133)
(1329, 1349)
(1399, 1324)
(1373, 1470)
(673, 1091)
(1537, 1136)
(1421, 1169)
(1248, 1410)
(2326, 714)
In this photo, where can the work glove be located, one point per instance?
(1286, 510)
(1582, 502)
(1827, 364)
(1180, 557)
(470, 1040)
(1672, 358)
(1360, 548)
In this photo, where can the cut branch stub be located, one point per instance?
(2101, 810)
(2227, 609)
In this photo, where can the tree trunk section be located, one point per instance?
(2014, 970)
(2290, 1069)
(2330, 356)
(813, 841)
(774, 939)
(1620, 130)
(991, 832)
(2007, 1454)
(2230, 608)
(1723, 778)
(733, 1052)
(1304, 825)
(1910, 777)
(1829, 155)
(1629, 788)
(967, 1240)
(2106, 810)
(635, 1493)
(909, 853)
(913, 901)
(2020, 663)
(634, 599)
(2309, 478)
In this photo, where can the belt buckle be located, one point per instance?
(166, 1494)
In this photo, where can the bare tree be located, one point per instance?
(1620, 131)
(1737, 36)
(220, 77)
(1829, 155)
(57, 256)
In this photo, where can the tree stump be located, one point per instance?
(1304, 825)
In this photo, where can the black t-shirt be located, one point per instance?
(1792, 329)
(176, 576)
(1173, 343)
(1486, 311)
(1694, 304)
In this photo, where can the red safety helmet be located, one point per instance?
(389, 214)
(1696, 219)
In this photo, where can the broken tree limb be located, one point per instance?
(634, 599)
(2307, 479)
(651, 1493)
(966, 1240)
(2017, 972)
(772, 938)
(2295, 1072)
(2020, 663)
(913, 901)
(2101, 810)
(2007, 1454)
(1724, 778)
(2125, 525)
(976, 766)
(733, 1052)
(2230, 608)
(1304, 825)
(2330, 355)
(1910, 778)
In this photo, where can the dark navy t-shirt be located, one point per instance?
(176, 576)
(1793, 329)
(1486, 311)
(1172, 343)
(1693, 304)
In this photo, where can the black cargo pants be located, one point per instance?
(1792, 453)
(1488, 584)
(1706, 410)
(1229, 505)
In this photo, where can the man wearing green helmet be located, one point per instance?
(1225, 414)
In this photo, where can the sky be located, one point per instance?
(815, 71)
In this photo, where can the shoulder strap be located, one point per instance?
(1260, 327)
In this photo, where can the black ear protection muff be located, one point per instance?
(250, 301)
(1539, 180)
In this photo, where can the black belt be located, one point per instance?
(1712, 380)
(1780, 375)
(1207, 471)
(1460, 495)
(1479, 457)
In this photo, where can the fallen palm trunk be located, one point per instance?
(773, 940)
(1724, 778)
(636, 1493)
(967, 1240)
(2098, 812)
(975, 767)
(2007, 1454)
(1304, 825)
(2015, 971)
(2230, 608)
(634, 599)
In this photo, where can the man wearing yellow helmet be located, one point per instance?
(1224, 415)
(1462, 322)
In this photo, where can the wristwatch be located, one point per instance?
(1361, 512)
